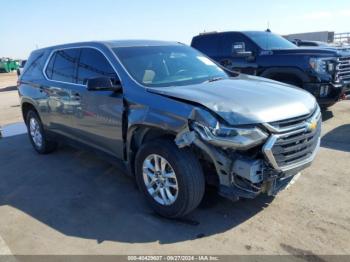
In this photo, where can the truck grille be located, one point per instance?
(343, 70)
(288, 150)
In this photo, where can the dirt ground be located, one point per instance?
(71, 202)
(9, 102)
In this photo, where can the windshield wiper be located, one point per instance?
(213, 79)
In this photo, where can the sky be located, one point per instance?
(29, 24)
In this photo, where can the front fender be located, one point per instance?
(296, 72)
(162, 114)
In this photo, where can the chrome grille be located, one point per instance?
(290, 124)
(295, 144)
(343, 70)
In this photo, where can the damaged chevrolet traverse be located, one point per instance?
(173, 117)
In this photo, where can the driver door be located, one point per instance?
(97, 120)
(235, 54)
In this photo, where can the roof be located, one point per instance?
(129, 43)
(115, 43)
(230, 32)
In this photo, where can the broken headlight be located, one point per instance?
(230, 137)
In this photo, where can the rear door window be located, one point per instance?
(92, 64)
(62, 66)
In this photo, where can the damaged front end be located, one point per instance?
(254, 159)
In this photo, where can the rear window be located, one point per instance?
(62, 66)
(34, 66)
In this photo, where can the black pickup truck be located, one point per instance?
(323, 72)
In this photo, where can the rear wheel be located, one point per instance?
(37, 135)
(170, 178)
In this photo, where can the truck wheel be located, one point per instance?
(170, 178)
(37, 134)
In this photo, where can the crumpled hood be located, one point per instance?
(246, 99)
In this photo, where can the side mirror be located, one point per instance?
(248, 55)
(239, 50)
(103, 84)
(244, 53)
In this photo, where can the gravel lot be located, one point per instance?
(9, 102)
(72, 202)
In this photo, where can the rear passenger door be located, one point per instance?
(98, 122)
(61, 73)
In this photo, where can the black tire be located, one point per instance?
(189, 175)
(47, 146)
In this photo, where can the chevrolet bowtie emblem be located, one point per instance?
(312, 125)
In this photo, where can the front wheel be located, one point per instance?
(170, 178)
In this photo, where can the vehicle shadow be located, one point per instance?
(326, 115)
(79, 195)
(8, 88)
(338, 138)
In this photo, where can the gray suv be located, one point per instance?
(173, 117)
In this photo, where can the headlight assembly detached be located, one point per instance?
(229, 137)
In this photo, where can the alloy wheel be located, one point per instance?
(35, 132)
(160, 179)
